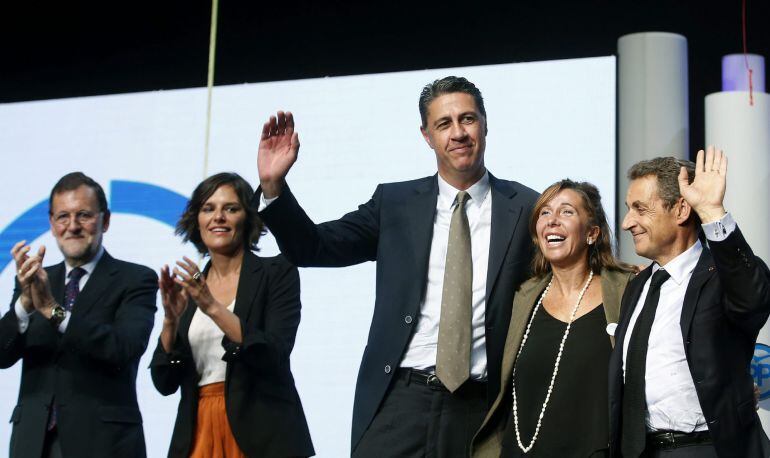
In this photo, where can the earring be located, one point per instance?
(590, 241)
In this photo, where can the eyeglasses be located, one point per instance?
(82, 217)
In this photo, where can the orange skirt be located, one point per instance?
(213, 436)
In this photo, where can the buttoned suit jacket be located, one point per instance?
(262, 404)
(488, 442)
(395, 228)
(726, 303)
(89, 370)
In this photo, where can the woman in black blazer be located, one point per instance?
(227, 335)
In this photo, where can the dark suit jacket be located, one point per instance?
(488, 442)
(90, 370)
(262, 404)
(395, 228)
(726, 304)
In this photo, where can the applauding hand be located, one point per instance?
(26, 268)
(194, 284)
(174, 298)
(707, 192)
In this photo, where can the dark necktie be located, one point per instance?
(71, 291)
(453, 355)
(634, 430)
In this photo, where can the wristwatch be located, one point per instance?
(57, 315)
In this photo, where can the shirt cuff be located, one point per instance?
(264, 202)
(717, 231)
(64, 322)
(22, 316)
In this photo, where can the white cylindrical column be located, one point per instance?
(653, 115)
(742, 130)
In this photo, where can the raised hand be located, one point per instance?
(194, 285)
(707, 192)
(173, 296)
(278, 149)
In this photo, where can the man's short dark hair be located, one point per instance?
(448, 85)
(188, 227)
(74, 180)
(666, 172)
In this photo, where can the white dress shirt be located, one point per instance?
(672, 402)
(421, 353)
(206, 344)
(22, 314)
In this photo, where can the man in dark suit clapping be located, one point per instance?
(79, 328)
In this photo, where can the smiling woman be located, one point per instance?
(561, 315)
(233, 322)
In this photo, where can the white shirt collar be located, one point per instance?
(682, 266)
(88, 267)
(478, 192)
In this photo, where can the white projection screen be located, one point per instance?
(547, 121)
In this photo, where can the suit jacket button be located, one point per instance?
(387, 368)
(408, 319)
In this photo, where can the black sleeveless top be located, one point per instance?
(576, 421)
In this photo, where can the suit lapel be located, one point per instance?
(248, 284)
(100, 279)
(523, 303)
(56, 280)
(613, 285)
(421, 212)
(704, 269)
(629, 301)
(506, 213)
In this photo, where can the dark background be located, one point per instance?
(73, 49)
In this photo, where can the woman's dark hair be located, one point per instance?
(187, 226)
(600, 254)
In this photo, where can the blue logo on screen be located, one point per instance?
(129, 197)
(760, 369)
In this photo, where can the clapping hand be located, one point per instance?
(33, 279)
(26, 268)
(173, 296)
(707, 191)
(278, 149)
(192, 281)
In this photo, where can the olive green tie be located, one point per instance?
(453, 359)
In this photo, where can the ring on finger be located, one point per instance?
(196, 276)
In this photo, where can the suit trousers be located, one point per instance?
(416, 421)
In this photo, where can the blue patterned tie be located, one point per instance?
(73, 287)
(71, 292)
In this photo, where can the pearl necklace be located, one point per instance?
(555, 367)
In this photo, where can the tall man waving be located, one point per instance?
(450, 250)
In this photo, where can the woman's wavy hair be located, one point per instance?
(187, 227)
(601, 253)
